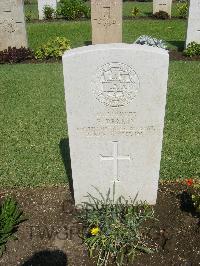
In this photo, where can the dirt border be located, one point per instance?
(49, 237)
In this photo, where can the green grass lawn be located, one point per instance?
(79, 33)
(146, 9)
(33, 124)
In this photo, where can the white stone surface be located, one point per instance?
(12, 24)
(42, 4)
(193, 29)
(115, 101)
(162, 5)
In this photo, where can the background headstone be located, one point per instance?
(193, 30)
(12, 24)
(115, 99)
(162, 5)
(42, 4)
(106, 17)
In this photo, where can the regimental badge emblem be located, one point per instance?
(116, 84)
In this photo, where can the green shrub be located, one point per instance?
(161, 15)
(192, 49)
(54, 48)
(27, 2)
(182, 10)
(73, 9)
(28, 16)
(112, 228)
(10, 218)
(48, 12)
(135, 12)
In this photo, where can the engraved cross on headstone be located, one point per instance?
(115, 158)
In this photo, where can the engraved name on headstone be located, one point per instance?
(193, 29)
(12, 24)
(115, 101)
(106, 17)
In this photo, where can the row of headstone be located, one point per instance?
(106, 18)
(106, 21)
(103, 10)
(116, 95)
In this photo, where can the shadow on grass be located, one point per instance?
(65, 153)
(47, 258)
(88, 43)
(149, 14)
(179, 44)
(187, 204)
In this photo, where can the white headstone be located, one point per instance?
(115, 100)
(12, 24)
(162, 5)
(42, 4)
(193, 30)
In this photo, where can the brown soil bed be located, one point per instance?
(49, 236)
(179, 56)
(148, 17)
(173, 55)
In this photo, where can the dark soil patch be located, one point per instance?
(173, 55)
(149, 17)
(179, 56)
(50, 235)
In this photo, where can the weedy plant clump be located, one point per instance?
(112, 228)
(192, 49)
(135, 12)
(182, 9)
(73, 9)
(54, 48)
(10, 218)
(49, 12)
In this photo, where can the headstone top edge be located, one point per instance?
(99, 47)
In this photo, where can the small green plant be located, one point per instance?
(112, 228)
(49, 12)
(28, 16)
(192, 49)
(135, 12)
(73, 9)
(54, 48)
(161, 15)
(182, 9)
(10, 218)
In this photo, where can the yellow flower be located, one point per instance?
(94, 231)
